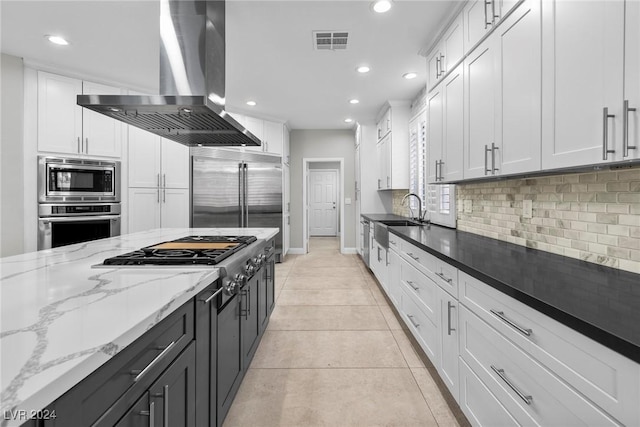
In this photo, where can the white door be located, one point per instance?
(323, 212)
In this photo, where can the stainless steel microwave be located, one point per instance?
(73, 180)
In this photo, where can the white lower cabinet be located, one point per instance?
(530, 392)
(479, 405)
(158, 208)
(504, 362)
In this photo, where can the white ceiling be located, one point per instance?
(270, 54)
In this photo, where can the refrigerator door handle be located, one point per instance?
(240, 194)
(245, 194)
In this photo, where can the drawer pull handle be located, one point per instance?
(449, 307)
(215, 294)
(445, 278)
(415, 288)
(503, 377)
(140, 374)
(150, 413)
(413, 256)
(393, 242)
(415, 325)
(501, 316)
(165, 392)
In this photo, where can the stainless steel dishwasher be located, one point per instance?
(365, 244)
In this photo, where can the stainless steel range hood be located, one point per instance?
(191, 107)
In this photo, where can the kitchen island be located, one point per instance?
(62, 318)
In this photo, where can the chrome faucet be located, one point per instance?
(420, 213)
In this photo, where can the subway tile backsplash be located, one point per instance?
(591, 216)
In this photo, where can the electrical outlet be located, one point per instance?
(468, 206)
(527, 209)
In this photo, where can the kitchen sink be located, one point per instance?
(402, 223)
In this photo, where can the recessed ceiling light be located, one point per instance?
(409, 76)
(348, 120)
(363, 69)
(354, 101)
(381, 6)
(251, 103)
(57, 40)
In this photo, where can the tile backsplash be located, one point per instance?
(398, 207)
(592, 216)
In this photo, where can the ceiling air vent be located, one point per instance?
(330, 40)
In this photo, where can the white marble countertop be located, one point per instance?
(60, 318)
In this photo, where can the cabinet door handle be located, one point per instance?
(165, 395)
(164, 179)
(415, 325)
(442, 70)
(158, 199)
(500, 372)
(378, 183)
(493, 158)
(437, 67)
(79, 146)
(388, 184)
(86, 145)
(415, 288)
(625, 129)
(486, 23)
(151, 414)
(605, 133)
(493, 12)
(486, 150)
(445, 278)
(436, 173)
(500, 315)
(164, 195)
(213, 295)
(449, 307)
(158, 180)
(140, 374)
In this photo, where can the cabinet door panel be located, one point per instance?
(435, 133)
(273, 136)
(174, 392)
(138, 415)
(631, 73)
(583, 60)
(479, 120)
(453, 44)
(229, 356)
(175, 208)
(144, 158)
(59, 117)
(175, 165)
(144, 209)
(433, 70)
(448, 366)
(520, 91)
(256, 127)
(452, 147)
(102, 135)
(476, 20)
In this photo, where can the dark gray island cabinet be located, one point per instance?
(183, 372)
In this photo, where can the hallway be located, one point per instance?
(334, 353)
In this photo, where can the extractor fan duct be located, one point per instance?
(191, 107)
(330, 40)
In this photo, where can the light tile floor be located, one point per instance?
(334, 354)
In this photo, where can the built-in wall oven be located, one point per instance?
(78, 200)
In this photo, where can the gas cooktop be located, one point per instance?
(189, 250)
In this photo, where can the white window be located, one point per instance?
(417, 161)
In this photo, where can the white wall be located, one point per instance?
(311, 144)
(11, 156)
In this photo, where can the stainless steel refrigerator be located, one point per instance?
(236, 189)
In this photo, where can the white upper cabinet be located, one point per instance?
(286, 152)
(480, 89)
(65, 127)
(631, 103)
(393, 147)
(503, 98)
(273, 137)
(102, 135)
(435, 132)
(175, 164)
(157, 162)
(583, 48)
(481, 16)
(448, 52)
(519, 91)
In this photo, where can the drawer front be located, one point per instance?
(607, 378)
(394, 242)
(117, 385)
(532, 394)
(423, 329)
(394, 286)
(445, 275)
(423, 289)
(480, 406)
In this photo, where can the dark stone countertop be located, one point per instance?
(600, 302)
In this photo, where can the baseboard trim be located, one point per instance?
(296, 251)
(349, 251)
